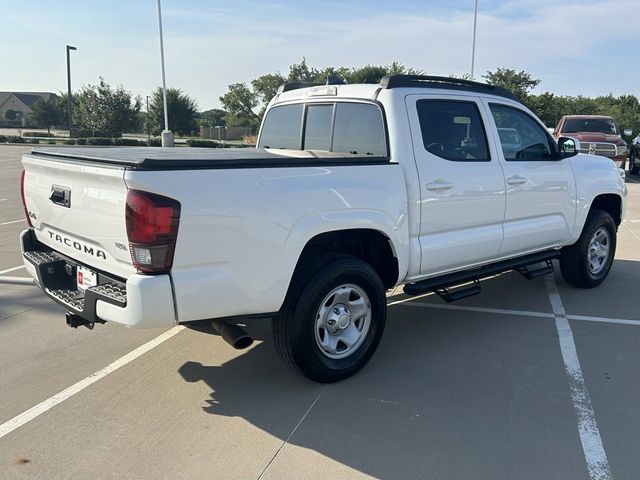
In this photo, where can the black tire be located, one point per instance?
(294, 330)
(634, 167)
(574, 259)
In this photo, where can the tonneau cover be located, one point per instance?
(182, 158)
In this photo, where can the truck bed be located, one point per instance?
(177, 158)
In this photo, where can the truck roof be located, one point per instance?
(297, 90)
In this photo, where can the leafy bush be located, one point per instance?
(51, 142)
(82, 133)
(129, 142)
(15, 139)
(37, 134)
(71, 141)
(192, 142)
(81, 141)
(4, 139)
(86, 133)
(33, 140)
(154, 142)
(99, 141)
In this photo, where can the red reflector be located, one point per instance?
(24, 202)
(152, 229)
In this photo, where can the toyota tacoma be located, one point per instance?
(428, 182)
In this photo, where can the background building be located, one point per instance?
(16, 107)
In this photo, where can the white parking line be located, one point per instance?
(16, 422)
(619, 321)
(632, 232)
(13, 221)
(594, 454)
(2, 272)
(503, 311)
(3, 199)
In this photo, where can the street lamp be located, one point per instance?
(167, 136)
(473, 46)
(70, 105)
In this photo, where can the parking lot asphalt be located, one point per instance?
(485, 388)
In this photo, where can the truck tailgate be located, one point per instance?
(78, 209)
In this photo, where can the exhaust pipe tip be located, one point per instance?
(243, 342)
(234, 335)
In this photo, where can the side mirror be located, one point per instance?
(568, 147)
(628, 132)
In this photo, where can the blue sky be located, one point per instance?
(576, 47)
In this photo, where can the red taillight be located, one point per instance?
(152, 229)
(24, 202)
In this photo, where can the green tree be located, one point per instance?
(239, 102)
(300, 72)
(106, 111)
(624, 109)
(47, 113)
(63, 106)
(242, 100)
(547, 107)
(265, 88)
(212, 117)
(182, 111)
(520, 83)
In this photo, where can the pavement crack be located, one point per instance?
(313, 404)
(16, 314)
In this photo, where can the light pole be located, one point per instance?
(473, 45)
(69, 99)
(167, 136)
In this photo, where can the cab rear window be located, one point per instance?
(282, 128)
(340, 127)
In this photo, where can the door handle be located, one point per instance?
(439, 185)
(516, 180)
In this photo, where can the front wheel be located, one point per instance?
(333, 324)
(586, 263)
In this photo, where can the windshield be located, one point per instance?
(598, 125)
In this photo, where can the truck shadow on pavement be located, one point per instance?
(15, 300)
(456, 394)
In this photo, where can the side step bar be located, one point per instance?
(442, 285)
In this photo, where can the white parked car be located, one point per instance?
(424, 181)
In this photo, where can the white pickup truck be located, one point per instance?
(430, 182)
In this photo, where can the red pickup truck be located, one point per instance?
(597, 134)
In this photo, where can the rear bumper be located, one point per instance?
(142, 301)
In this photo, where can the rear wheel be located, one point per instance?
(586, 263)
(332, 321)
